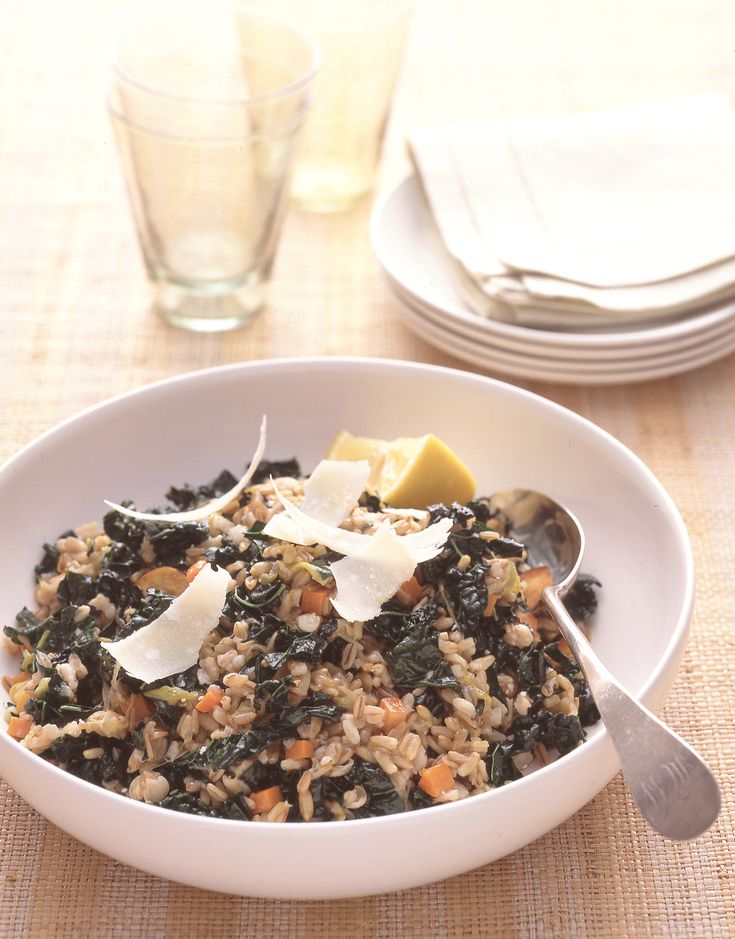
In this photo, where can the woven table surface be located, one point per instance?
(75, 329)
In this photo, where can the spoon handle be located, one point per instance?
(672, 785)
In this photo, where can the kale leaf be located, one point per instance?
(188, 497)
(418, 799)
(382, 796)
(560, 731)
(505, 548)
(261, 629)
(76, 588)
(274, 691)
(27, 626)
(370, 502)
(469, 595)
(111, 766)
(482, 510)
(460, 514)
(416, 662)
(118, 589)
(391, 625)
(259, 598)
(227, 553)
(124, 529)
(53, 634)
(171, 542)
(190, 804)
(500, 765)
(290, 646)
(150, 607)
(581, 601)
(396, 622)
(276, 468)
(122, 559)
(49, 560)
(219, 754)
(430, 699)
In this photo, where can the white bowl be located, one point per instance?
(187, 429)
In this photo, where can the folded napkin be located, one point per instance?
(588, 218)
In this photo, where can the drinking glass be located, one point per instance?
(207, 106)
(361, 44)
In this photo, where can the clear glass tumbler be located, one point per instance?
(361, 43)
(207, 106)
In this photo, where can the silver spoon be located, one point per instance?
(672, 785)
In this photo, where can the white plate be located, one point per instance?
(591, 358)
(410, 251)
(570, 373)
(597, 372)
(188, 428)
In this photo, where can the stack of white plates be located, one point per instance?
(418, 273)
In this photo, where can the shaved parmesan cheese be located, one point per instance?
(311, 530)
(209, 508)
(372, 575)
(330, 494)
(171, 643)
(332, 490)
(427, 543)
(422, 545)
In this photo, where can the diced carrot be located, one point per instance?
(300, 750)
(21, 697)
(166, 579)
(413, 588)
(490, 605)
(530, 620)
(265, 799)
(436, 779)
(314, 599)
(564, 647)
(393, 712)
(18, 727)
(142, 707)
(10, 680)
(195, 568)
(535, 581)
(209, 701)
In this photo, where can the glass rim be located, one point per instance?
(276, 130)
(283, 91)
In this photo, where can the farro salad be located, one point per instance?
(293, 708)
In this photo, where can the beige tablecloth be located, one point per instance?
(75, 329)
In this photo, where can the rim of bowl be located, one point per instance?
(123, 75)
(586, 752)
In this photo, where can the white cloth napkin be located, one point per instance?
(588, 218)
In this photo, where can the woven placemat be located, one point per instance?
(75, 329)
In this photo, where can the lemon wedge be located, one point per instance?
(409, 472)
(347, 447)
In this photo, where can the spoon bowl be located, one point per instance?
(552, 535)
(671, 784)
